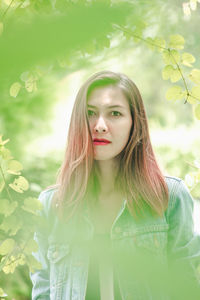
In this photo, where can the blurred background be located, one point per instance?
(48, 72)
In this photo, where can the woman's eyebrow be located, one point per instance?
(107, 106)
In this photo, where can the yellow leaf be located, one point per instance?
(176, 41)
(33, 264)
(193, 4)
(6, 154)
(197, 111)
(32, 205)
(191, 100)
(20, 184)
(14, 89)
(175, 56)
(187, 59)
(11, 224)
(2, 293)
(196, 92)
(30, 247)
(2, 184)
(2, 143)
(10, 265)
(186, 9)
(14, 167)
(167, 71)
(1, 28)
(195, 76)
(171, 57)
(160, 42)
(166, 57)
(7, 246)
(10, 3)
(31, 85)
(7, 207)
(175, 75)
(174, 93)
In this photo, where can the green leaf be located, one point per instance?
(193, 4)
(167, 71)
(6, 154)
(14, 167)
(170, 72)
(175, 56)
(32, 205)
(171, 57)
(25, 76)
(166, 57)
(187, 59)
(176, 41)
(186, 9)
(196, 92)
(31, 85)
(174, 93)
(11, 225)
(191, 99)
(195, 76)
(20, 184)
(2, 184)
(197, 112)
(161, 43)
(14, 89)
(7, 208)
(33, 264)
(175, 75)
(7, 246)
(12, 262)
(1, 28)
(2, 293)
(30, 247)
(21, 259)
(2, 143)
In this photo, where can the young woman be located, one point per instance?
(114, 223)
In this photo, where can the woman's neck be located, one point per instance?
(106, 171)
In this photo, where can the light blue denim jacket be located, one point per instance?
(65, 257)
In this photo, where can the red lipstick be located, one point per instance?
(101, 142)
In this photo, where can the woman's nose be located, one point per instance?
(100, 125)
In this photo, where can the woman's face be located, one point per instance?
(110, 121)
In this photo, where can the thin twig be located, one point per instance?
(164, 48)
(5, 183)
(5, 12)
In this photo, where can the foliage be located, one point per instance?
(18, 216)
(190, 6)
(108, 21)
(55, 37)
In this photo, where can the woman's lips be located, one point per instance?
(101, 143)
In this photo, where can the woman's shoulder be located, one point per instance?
(175, 185)
(179, 194)
(172, 179)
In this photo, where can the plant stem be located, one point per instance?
(5, 183)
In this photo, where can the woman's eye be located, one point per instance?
(116, 113)
(91, 113)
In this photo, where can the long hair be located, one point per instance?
(139, 176)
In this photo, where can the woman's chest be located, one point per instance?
(105, 213)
